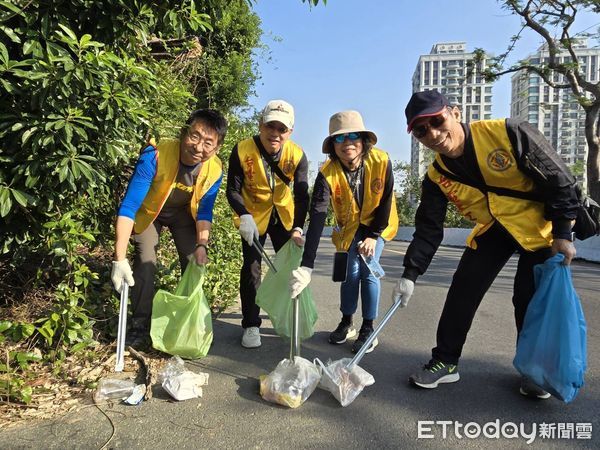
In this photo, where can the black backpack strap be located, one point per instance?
(274, 166)
(485, 188)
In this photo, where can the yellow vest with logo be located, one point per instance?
(167, 166)
(259, 198)
(523, 219)
(347, 213)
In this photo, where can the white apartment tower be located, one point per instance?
(445, 70)
(555, 112)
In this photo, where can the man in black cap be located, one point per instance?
(505, 177)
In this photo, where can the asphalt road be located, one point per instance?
(388, 414)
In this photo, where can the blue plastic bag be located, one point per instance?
(551, 350)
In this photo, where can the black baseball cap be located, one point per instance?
(424, 104)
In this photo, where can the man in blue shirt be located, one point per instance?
(174, 185)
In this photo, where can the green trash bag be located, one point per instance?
(274, 295)
(181, 322)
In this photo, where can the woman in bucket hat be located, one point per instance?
(357, 180)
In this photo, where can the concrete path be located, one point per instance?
(232, 415)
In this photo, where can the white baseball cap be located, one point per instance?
(280, 111)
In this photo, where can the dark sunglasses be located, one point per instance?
(434, 122)
(340, 138)
(279, 128)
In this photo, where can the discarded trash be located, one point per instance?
(344, 378)
(294, 379)
(113, 389)
(373, 266)
(180, 383)
(291, 383)
(343, 382)
(186, 385)
(173, 367)
(137, 395)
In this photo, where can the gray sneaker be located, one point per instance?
(529, 389)
(434, 373)
(251, 337)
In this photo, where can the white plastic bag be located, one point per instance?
(343, 384)
(291, 383)
(180, 383)
(185, 385)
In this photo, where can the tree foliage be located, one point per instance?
(83, 85)
(553, 21)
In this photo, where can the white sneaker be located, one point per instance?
(251, 337)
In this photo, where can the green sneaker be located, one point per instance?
(434, 373)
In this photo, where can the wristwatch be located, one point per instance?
(202, 245)
(567, 237)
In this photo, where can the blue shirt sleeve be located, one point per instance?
(139, 184)
(207, 202)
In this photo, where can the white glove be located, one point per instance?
(300, 279)
(248, 229)
(403, 291)
(121, 271)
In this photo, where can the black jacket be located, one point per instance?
(535, 157)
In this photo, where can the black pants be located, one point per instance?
(473, 277)
(250, 275)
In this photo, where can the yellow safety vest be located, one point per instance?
(347, 213)
(258, 197)
(167, 166)
(523, 219)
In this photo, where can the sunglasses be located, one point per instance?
(340, 138)
(434, 122)
(282, 129)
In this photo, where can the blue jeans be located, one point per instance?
(359, 275)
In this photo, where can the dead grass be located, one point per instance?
(59, 390)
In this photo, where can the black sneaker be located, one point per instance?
(363, 335)
(529, 389)
(434, 373)
(342, 333)
(139, 340)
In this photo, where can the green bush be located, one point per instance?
(80, 93)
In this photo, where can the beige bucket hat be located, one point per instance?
(346, 122)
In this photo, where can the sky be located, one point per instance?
(361, 54)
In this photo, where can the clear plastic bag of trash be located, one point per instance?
(113, 389)
(180, 383)
(344, 384)
(173, 367)
(291, 383)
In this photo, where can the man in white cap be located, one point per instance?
(261, 170)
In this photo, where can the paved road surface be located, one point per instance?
(386, 415)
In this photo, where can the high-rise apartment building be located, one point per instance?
(555, 112)
(445, 69)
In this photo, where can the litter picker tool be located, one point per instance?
(263, 253)
(294, 339)
(294, 379)
(122, 328)
(344, 378)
